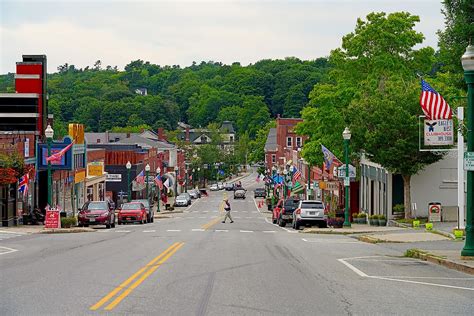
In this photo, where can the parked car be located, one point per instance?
(220, 185)
(195, 194)
(239, 193)
(183, 200)
(132, 212)
(97, 213)
(214, 187)
(283, 211)
(229, 186)
(259, 192)
(150, 213)
(310, 212)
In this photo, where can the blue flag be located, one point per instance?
(328, 157)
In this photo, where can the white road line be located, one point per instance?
(330, 241)
(222, 230)
(8, 250)
(350, 266)
(268, 231)
(149, 231)
(104, 231)
(173, 230)
(423, 283)
(14, 233)
(123, 231)
(197, 230)
(246, 231)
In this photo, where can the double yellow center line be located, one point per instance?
(214, 221)
(143, 274)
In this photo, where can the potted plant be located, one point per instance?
(373, 221)
(336, 222)
(362, 218)
(382, 220)
(398, 211)
(355, 219)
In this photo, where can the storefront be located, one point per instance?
(95, 182)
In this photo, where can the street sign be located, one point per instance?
(113, 177)
(341, 171)
(469, 161)
(347, 181)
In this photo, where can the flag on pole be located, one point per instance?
(433, 104)
(328, 157)
(23, 184)
(296, 175)
(57, 156)
(159, 182)
(167, 183)
(140, 178)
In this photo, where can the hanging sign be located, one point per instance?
(438, 132)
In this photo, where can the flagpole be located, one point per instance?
(460, 114)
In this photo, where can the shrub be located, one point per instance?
(382, 217)
(399, 208)
(361, 215)
(67, 222)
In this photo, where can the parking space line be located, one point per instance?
(350, 266)
(8, 250)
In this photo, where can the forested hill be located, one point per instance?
(103, 97)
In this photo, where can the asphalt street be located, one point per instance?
(192, 264)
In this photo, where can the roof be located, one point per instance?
(145, 142)
(227, 127)
(271, 143)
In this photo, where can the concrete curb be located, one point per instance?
(66, 230)
(167, 213)
(426, 256)
(336, 232)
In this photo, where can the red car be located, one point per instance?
(97, 213)
(132, 212)
(283, 212)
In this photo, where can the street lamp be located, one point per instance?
(147, 172)
(176, 170)
(467, 61)
(194, 179)
(346, 134)
(49, 133)
(199, 176)
(158, 172)
(285, 172)
(185, 179)
(128, 166)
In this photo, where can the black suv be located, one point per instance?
(259, 192)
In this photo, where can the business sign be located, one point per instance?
(26, 153)
(95, 169)
(76, 131)
(329, 185)
(469, 161)
(113, 177)
(79, 176)
(438, 132)
(65, 163)
(341, 171)
(51, 219)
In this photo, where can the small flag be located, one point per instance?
(329, 157)
(23, 184)
(433, 104)
(159, 182)
(57, 156)
(140, 178)
(296, 175)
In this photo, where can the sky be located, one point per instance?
(180, 32)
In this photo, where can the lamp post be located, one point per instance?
(49, 133)
(147, 172)
(346, 134)
(285, 172)
(194, 178)
(199, 176)
(185, 179)
(158, 173)
(467, 61)
(128, 166)
(176, 170)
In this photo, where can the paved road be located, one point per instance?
(192, 264)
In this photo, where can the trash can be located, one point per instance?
(434, 211)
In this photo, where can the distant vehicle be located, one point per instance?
(310, 212)
(259, 192)
(182, 200)
(214, 187)
(239, 193)
(97, 213)
(283, 211)
(150, 213)
(195, 194)
(132, 212)
(229, 187)
(220, 185)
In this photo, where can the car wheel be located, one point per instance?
(107, 226)
(281, 222)
(119, 222)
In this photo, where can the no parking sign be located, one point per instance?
(434, 211)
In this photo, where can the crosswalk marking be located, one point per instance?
(149, 231)
(197, 230)
(246, 231)
(123, 231)
(173, 230)
(268, 231)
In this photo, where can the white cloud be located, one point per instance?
(180, 32)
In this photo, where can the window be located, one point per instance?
(288, 142)
(98, 140)
(231, 138)
(274, 159)
(298, 142)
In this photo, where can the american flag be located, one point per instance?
(296, 175)
(159, 182)
(140, 178)
(23, 184)
(433, 104)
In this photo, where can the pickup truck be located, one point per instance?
(283, 211)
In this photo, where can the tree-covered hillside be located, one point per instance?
(103, 97)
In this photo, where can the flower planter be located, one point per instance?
(416, 224)
(382, 222)
(363, 220)
(429, 226)
(458, 233)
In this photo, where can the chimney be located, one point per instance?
(161, 134)
(187, 134)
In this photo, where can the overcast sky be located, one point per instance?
(180, 32)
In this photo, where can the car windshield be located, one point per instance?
(144, 202)
(259, 190)
(131, 206)
(97, 206)
(291, 204)
(318, 205)
(181, 197)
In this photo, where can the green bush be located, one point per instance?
(399, 208)
(67, 222)
(382, 217)
(361, 215)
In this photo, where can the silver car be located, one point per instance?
(309, 212)
(182, 200)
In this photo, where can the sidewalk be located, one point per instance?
(39, 229)
(355, 229)
(448, 258)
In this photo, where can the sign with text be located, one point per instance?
(113, 177)
(469, 161)
(341, 171)
(328, 185)
(65, 163)
(51, 219)
(95, 169)
(438, 132)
